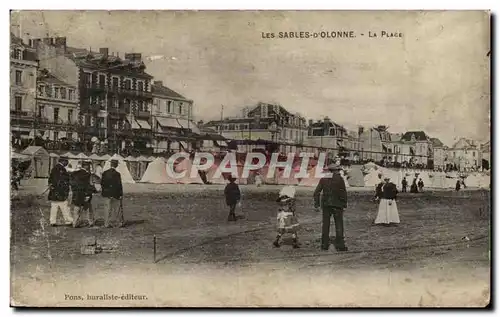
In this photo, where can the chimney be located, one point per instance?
(158, 83)
(327, 120)
(135, 57)
(310, 122)
(360, 131)
(104, 51)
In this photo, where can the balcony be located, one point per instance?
(120, 133)
(23, 115)
(48, 123)
(94, 86)
(143, 114)
(117, 112)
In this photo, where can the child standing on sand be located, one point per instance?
(287, 219)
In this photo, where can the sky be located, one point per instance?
(435, 78)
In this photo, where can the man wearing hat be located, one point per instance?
(82, 188)
(333, 202)
(233, 195)
(112, 191)
(59, 192)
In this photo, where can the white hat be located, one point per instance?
(288, 191)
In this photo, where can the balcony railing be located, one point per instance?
(129, 92)
(118, 111)
(143, 114)
(16, 114)
(94, 86)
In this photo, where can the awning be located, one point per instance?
(135, 125)
(178, 124)
(61, 134)
(221, 143)
(169, 122)
(183, 145)
(144, 124)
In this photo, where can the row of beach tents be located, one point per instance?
(154, 170)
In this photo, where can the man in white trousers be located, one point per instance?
(59, 192)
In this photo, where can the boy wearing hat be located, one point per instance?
(333, 202)
(233, 196)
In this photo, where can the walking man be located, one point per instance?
(333, 202)
(112, 191)
(59, 192)
(82, 188)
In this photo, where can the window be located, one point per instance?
(41, 111)
(140, 86)
(17, 54)
(56, 92)
(181, 106)
(473, 154)
(70, 135)
(19, 103)
(102, 80)
(56, 135)
(169, 106)
(115, 82)
(56, 114)
(40, 90)
(19, 77)
(63, 93)
(70, 115)
(128, 84)
(100, 122)
(70, 94)
(87, 78)
(48, 91)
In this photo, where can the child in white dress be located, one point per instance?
(286, 217)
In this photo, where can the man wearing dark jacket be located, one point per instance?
(333, 202)
(59, 192)
(112, 191)
(82, 188)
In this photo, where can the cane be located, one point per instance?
(39, 196)
(121, 212)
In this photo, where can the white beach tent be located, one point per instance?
(186, 165)
(355, 176)
(133, 167)
(122, 169)
(156, 173)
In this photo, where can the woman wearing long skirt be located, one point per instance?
(387, 209)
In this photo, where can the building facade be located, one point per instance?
(56, 116)
(23, 81)
(265, 121)
(415, 149)
(172, 120)
(113, 93)
(486, 155)
(465, 154)
(376, 144)
(326, 134)
(440, 154)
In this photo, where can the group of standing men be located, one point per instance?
(80, 183)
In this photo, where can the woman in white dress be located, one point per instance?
(387, 209)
